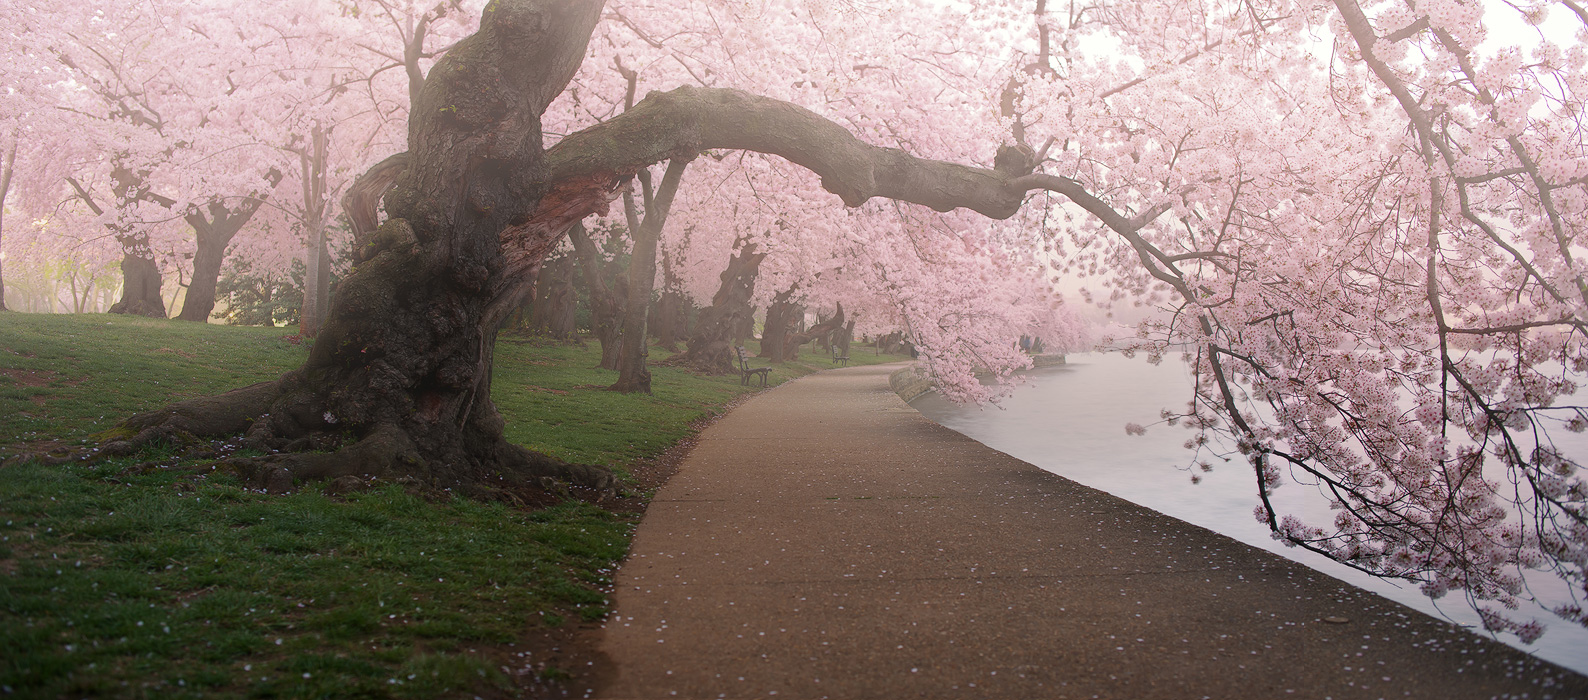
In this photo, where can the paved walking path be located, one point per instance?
(825, 540)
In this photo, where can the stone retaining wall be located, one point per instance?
(1040, 361)
(910, 382)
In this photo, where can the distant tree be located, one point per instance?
(606, 287)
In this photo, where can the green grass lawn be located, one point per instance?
(154, 577)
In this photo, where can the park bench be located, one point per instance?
(745, 371)
(841, 360)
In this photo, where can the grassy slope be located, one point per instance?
(158, 578)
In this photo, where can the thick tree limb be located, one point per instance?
(586, 168)
(361, 202)
(688, 120)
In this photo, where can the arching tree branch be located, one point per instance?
(586, 168)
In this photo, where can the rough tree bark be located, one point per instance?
(361, 202)
(606, 302)
(712, 340)
(399, 381)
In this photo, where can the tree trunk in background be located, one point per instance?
(7, 164)
(309, 317)
(820, 330)
(891, 343)
(212, 239)
(200, 300)
(140, 276)
(317, 278)
(671, 323)
(776, 329)
(633, 376)
(316, 283)
(140, 281)
(845, 337)
(555, 299)
(711, 341)
(562, 301)
(214, 227)
(80, 301)
(520, 318)
(606, 302)
(744, 327)
(540, 297)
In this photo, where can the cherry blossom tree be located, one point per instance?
(29, 78)
(1371, 258)
(176, 121)
(826, 61)
(1362, 219)
(160, 91)
(879, 262)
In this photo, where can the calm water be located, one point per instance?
(1071, 420)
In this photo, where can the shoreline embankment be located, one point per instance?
(910, 382)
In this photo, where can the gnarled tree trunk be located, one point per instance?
(399, 381)
(140, 281)
(212, 232)
(779, 316)
(891, 343)
(820, 330)
(845, 336)
(711, 342)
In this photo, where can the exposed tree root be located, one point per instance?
(263, 417)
